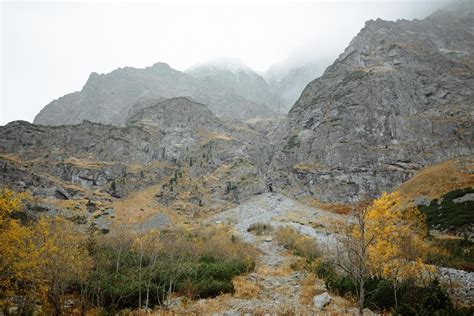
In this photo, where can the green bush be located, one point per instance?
(448, 213)
(412, 299)
(213, 277)
(417, 300)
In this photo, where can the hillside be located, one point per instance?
(398, 99)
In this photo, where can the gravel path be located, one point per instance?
(280, 287)
(278, 210)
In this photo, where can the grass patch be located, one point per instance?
(301, 245)
(436, 180)
(245, 288)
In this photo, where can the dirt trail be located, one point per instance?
(274, 287)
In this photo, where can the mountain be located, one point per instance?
(177, 152)
(109, 98)
(237, 79)
(288, 79)
(399, 98)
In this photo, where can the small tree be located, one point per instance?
(398, 249)
(385, 241)
(353, 254)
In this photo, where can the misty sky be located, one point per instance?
(49, 49)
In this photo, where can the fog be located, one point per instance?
(49, 49)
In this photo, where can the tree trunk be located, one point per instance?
(140, 283)
(395, 294)
(361, 297)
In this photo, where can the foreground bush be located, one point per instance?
(132, 271)
(47, 260)
(412, 299)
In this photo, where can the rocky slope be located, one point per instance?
(398, 98)
(109, 98)
(191, 160)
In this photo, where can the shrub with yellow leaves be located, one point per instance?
(39, 261)
(398, 247)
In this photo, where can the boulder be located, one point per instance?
(321, 300)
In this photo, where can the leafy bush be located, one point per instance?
(412, 299)
(340, 284)
(447, 213)
(195, 264)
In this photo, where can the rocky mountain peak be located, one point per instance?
(384, 109)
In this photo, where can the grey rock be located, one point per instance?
(395, 101)
(174, 133)
(321, 300)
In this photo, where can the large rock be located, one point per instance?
(321, 300)
(399, 98)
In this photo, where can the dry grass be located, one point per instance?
(206, 137)
(309, 289)
(155, 164)
(308, 167)
(11, 158)
(86, 164)
(260, 228)
(139, 206)
(301, 245)
(245, 288)
(438, 179)
(281, 270)
(338, 208)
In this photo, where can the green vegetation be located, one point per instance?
(446, 213)
(147, 269)
(292, 142)
(412, 299)
(48, 261)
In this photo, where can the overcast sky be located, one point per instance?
(49, 49)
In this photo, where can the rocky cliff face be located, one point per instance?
(109, 98)
(177, 146)
(398, 98)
